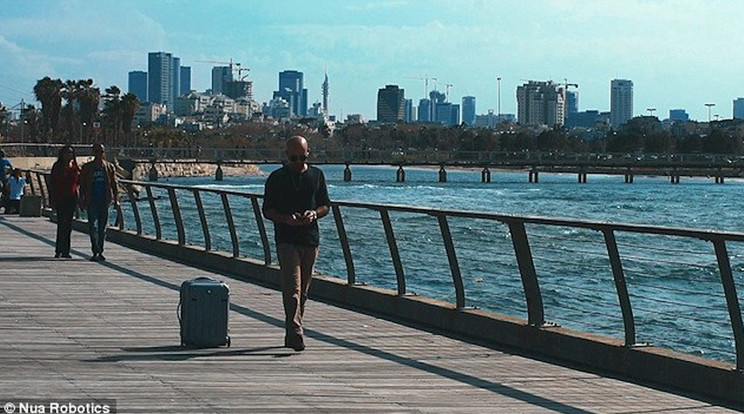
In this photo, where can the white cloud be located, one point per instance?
(375, 5)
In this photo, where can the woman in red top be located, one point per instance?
(63, 197)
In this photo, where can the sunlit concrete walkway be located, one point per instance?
(78, 329)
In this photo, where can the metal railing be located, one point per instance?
(520, 240)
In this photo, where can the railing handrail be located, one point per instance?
(703, 234)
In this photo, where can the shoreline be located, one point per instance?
(141, 171)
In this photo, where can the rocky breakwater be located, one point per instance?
(141, 172)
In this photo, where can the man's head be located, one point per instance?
(98, 151)
(297, 152)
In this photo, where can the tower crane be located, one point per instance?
(565, 89)
(234, 66)
(566, 84)
(447, 87)
(426, 79)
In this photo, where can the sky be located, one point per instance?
(678, 53)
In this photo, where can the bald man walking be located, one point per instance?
(295, 197)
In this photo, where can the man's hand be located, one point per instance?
(309, 216)
(294, 219)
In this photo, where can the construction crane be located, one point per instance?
(234, 66)
(426, 79)
(565, 91)
(566, 84)
(447, 87)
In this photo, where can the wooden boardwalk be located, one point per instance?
(78, 329)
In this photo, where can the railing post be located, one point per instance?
(621, 287)
(30, 182)
(261, 230)
(231, 225)
(135, 209)
(42, 193)
(203, 219)
(154, 210)
(119, 222)
(344, 240)
(449, 247)
(732, 300)
(394, 254)
(177, 216)
(535, 312)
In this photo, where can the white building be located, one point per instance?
(621, 102)
(540, 103)
(149, 112)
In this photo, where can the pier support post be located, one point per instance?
(675, 177)
(534, 175)
(719, 177)
(629, 176)
(582, 176)
(218, 175)
(442, 174)
(153, 174)
(347, 173)
(485, 175)
(400, 175)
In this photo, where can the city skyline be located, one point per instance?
(671, 50)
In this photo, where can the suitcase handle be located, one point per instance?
(204, 278)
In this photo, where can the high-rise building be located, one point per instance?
(678, 115)
(390, 104)
(572, 102)
(162, 82)
(424, 110)
(176, 79)
(185, 80)
(455, 115)
(739, 108)
(408, 116)
(138, 84)
(325, 93)
(468, 110)
(437, 97)
(540, 103)
(443, 113)
(447, 113)
(220, 76)
(238, 89)
(621, 101)
(291, 90)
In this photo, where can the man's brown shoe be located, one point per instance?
(295, 342)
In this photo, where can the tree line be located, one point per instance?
(639, 135)
(75, 111)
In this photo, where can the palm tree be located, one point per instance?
(70, 93)
(30, 118)
(89, 97)
(129, 106)
(48, 92)
(112, 112)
